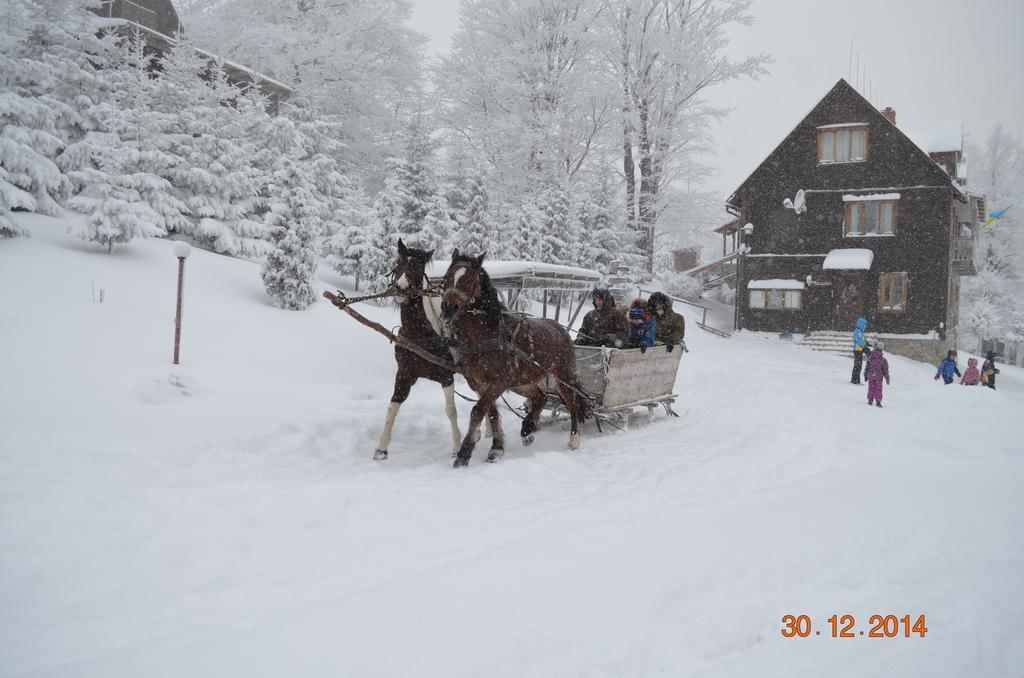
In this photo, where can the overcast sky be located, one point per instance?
(931, 60)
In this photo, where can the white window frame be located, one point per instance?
(892, 297)
(856, 211)
(776, 299)
(837, 143)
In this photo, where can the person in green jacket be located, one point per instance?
(671, 327)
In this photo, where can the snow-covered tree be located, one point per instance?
(664, 54)
(48, 60)
(522, 89)
(992, 305)
(476, 226)
(559, 234)
(600, 226)
(411, 205)
(293, 221)
(352, 248)
(356, 63)
(125, 190)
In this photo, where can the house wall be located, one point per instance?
(894, 164)
(158, 15)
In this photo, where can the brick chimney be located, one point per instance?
(890, 114)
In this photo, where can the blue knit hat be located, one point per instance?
(636, 312)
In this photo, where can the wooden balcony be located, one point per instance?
(961, 255)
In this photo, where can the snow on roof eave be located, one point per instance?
(256, 75)
(503, 270)
(848, 259)
(775, 284)
(211, 55)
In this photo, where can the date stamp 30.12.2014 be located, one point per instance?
(845, 626)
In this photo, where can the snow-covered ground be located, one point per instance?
(225, 518)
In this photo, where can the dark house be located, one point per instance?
(849, 217)
(158, 22)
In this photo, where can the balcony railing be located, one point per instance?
(961, 248)
(961, 253)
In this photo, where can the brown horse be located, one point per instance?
(423, 325)
(500, 351)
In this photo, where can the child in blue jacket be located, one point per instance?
(947, 368)
(641, 326)
(860, 349)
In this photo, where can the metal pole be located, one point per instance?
(177, 315)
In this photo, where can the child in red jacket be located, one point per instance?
(971, 375)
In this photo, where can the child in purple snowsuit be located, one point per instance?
(876, 369)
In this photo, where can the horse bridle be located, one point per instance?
(431, 290)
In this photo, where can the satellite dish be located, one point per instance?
(800, 202)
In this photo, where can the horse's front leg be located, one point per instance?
(453, 416)
(483, 406)
(403, 385)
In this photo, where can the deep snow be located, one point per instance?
(225, 517)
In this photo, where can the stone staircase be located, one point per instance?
(833, 342)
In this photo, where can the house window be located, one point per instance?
(842, 143)
(892, 292)
(777, 299)
(870, 217)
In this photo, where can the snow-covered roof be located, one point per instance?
(256, 75)
(513, 271)
(870, 197)
(935, 137)
(775, 284)
(849, 259)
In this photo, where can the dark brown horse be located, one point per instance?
(422, 324)
(500, 351)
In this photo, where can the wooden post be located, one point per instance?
(177, 314)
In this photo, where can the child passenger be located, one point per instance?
(641, 326)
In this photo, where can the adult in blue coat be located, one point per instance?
(860, 349)
(947, 368)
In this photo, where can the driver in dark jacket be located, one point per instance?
(605, 325)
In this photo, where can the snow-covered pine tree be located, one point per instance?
(293, 222)
(476, 229)
(218, 177)
(526, 222)
(31, 119)
(456, 183)
(558, 236)
(351, 250)
(125, 191)
(596, 213)
(411, 206)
